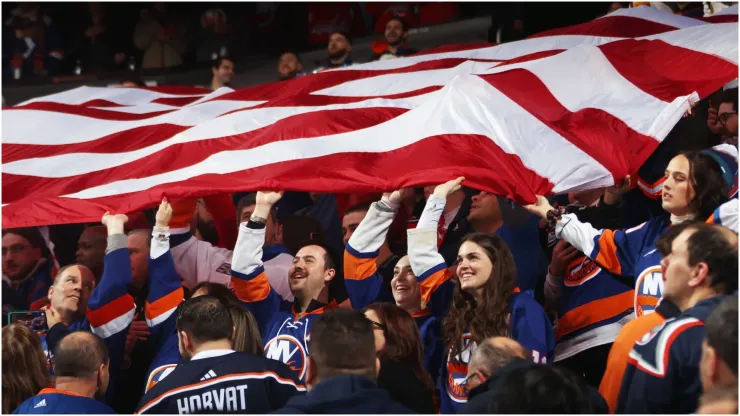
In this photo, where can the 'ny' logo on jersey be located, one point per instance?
(288, 350)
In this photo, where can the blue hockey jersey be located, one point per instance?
(222, 381)
(726, 215)
(285, 329)
(60, 402)
(662, 374)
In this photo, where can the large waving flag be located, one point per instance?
(574, 108)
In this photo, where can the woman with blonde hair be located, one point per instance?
(25, 370)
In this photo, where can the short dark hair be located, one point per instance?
(710, 188)
(147, 231)
(79, 354)
(541, 389)
(248, 200)
(722, 331)
(204, 319)
(361, 207)
(665, 243)
(218, 291)
(404, 24)
(729, 96)
(717, 247)
(32, 234)
(342, 342)
(345, 34)
(219, 61)
(298, 58)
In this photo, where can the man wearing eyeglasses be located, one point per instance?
(27, 269)
(723, 119)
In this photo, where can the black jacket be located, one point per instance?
(346, 395)
(399, 380)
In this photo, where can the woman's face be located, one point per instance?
(377, 332)
(405, 288)
(677, 191)
(474, 267)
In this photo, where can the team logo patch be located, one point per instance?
(648, 289)
(580, 271)
(650, 335)
(224, 268)
(457, 371)
(288, 350)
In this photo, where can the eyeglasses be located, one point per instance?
(722, 118)
(378, 325)
(15, 249)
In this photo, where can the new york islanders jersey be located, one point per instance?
(663, 371)
(726, 215)
(529, 324)
(629, 252)
(222, 381)
(165, 295)
(285, 329)
(59, 402)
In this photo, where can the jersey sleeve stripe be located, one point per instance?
(433, 281)
(595, 311)
(662, 349)
(607, 255)
(358, 267)
(251, 289)
(164, 305)
(114, 326)
(110, 311)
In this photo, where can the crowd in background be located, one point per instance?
(433, 299)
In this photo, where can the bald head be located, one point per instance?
(494, 354)
(80, 355)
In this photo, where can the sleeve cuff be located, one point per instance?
(115, 242)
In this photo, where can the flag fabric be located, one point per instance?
(569, 109)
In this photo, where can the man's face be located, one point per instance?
(676, 269)
(309, 275)
(404, 285)
(273, 230)
(225, 72)
(138, 251)
(338, 46)
(350, 222)
(289, 66)
(727, 115)
(71, 290)
(484, 206)
(91, 248)
(19, 258)
(394, 33)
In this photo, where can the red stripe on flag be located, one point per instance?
(416, 164)
(88, 111)
(611, 26)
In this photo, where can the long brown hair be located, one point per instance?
(247, 333)
(24, 366)
(402, 340)
(491, 318)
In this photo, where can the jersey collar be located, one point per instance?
(211, 354)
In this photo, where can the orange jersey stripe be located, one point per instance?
(253, 290)
(607, 257)
(431, 283)
(593, 312)
(356, 268)
(110, 311)
(164, 304)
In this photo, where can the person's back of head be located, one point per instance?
(247, 336)
(82, 357)
(218, 291)
(203, 322)
(342, 343)
(719, 352)
(716, 246)
(24, 366)
(541, 389)
(491, 356)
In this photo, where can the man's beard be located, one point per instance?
(289, 75)
(207, 231)
(337, 54)
(397, 43)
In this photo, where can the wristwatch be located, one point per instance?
(258, 220)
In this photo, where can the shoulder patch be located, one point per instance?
(653, 354)
(224, 268)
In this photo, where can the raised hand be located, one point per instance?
(164, 214)
(396, 197)
(114, 222)
(267, 198)
(448, 188)
(541, 207)
(562, 255)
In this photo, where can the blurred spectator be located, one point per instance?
(342, 369)
(24, 366)
(82, 368)
(489, 358)
(214, 37)
(159, 37)
(289, 66)
(400, 351)
(223, 71)
(544, 390)
(339, 48)
(247, 336)
(132, 83)
(91, 249)
(205, 226)
(613, 7)
(205, 332)
(727, 115)
(718, 367)
(37, 47)
(100, 44)
(27, 269)
(719, 401)
(396, 36)
(663, 377)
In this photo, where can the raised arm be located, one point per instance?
(361, 275)
(248, 277)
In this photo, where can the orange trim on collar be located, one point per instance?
(52, 390)
(420, 313)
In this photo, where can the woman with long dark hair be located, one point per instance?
(486, 301)
(399, 348)
(693, 189)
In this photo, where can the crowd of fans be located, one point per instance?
(422, 300)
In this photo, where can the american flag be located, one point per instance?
(573, 108)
